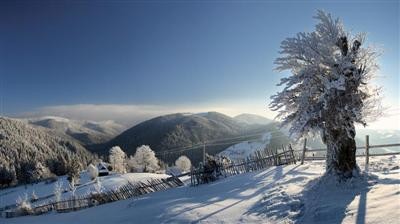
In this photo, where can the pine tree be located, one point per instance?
(328, 91)
(6, 177)
(73, 172)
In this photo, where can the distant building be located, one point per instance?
(103, 169)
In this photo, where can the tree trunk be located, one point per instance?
(341, 154)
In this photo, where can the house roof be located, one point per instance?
(102, 166)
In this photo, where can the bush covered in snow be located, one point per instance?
(144, 160)
(183, 163)
(34, 197)
(23, 205)
(93, 171)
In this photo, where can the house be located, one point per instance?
(103, 169)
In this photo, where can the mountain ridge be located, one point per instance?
(85, 132)
(30, 153)
(179, 130)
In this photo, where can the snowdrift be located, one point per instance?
(283, 194)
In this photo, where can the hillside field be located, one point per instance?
(283, 194)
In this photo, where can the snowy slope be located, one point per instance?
(113, 181)
(252, 119)
(244, 149)
(276, 195)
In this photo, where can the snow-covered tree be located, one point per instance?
(73, 172)
(183, 163)
(328, 91)
(98, 188)
(72, 187)
(40, 172)
(57, 191)
(144, 160)
(117, 158)
(93, 171)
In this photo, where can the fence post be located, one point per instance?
(292, 154)
(191, 176)
(366, 152)
(284, 154)
(275, 157)
(304, 151)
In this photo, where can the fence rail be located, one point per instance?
(366, 147)
(359, 147)
(258, 160)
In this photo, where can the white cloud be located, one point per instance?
(128, 114)
(133, 114)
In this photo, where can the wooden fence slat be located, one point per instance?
(304, 151)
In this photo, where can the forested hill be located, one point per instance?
(85, 132)
(29, 153)
(179, 130)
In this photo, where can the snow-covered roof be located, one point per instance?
(102, 166)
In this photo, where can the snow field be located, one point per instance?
(283, 194)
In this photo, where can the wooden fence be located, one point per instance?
(258, 160)
(126, 191)
(367, 153)
(267, 157)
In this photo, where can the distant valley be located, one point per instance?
(48, 139)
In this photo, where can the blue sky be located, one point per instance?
(175, 55)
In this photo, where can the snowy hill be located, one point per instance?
(31, 153)
(44, 190)
(86, 132)
(176, 130)
(283, 194)
(252, 119)
(181, 130)
(244, 149)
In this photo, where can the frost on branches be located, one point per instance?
(183, 163)
(328, 90)
(144, 160)
(117, 159)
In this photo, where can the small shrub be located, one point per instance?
(23, 205)
(34, 197)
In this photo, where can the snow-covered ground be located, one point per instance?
(283, 194)
(244, 149)
(113, 181)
